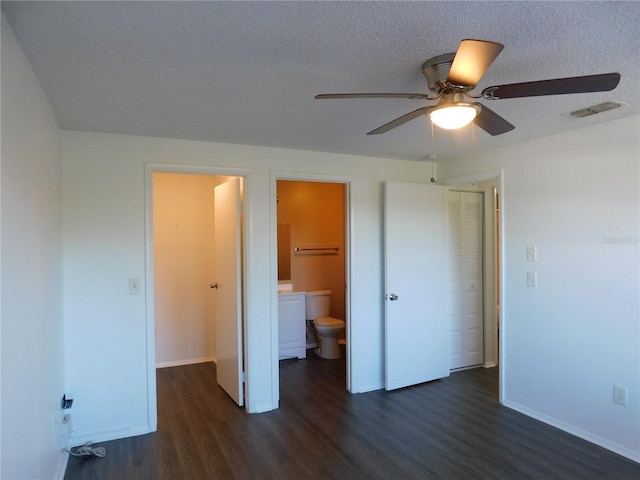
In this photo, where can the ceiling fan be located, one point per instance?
(453, 76)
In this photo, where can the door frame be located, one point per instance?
(347, 181)
(150, 319)
(458, 183)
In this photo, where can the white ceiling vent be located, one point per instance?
(601, 107)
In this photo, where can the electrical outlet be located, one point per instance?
(620, 395)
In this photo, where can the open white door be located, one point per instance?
(415, 279)
(228, 287)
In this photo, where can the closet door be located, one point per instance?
(465, 308)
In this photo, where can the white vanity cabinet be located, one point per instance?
(292, 340)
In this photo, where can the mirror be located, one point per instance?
(284, 251)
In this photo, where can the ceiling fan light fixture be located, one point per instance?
(452, 117)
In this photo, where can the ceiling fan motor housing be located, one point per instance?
(436, 71)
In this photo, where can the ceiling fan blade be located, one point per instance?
(400, 121)
(373, 95)
(558, 86)
(491, 122)
(472, 60)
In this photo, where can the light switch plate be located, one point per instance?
(532, 279)
(134, 286)
(532, 254)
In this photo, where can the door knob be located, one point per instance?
(213, 285)
(393, 297)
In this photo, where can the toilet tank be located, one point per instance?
(317, 304)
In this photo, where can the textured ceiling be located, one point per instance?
(247, 72)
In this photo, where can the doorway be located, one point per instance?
(489, 186)
(416, 267)
(311, 228)
(182, 306)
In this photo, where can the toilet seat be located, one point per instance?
(329, 322)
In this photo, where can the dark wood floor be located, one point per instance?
(448, 429)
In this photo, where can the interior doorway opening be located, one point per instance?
(490, 185)
(311, 224)
(182, 305)
(473, 215)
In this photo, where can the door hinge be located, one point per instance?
(243, 377)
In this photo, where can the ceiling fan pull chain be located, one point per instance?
(473, 151)
(433, 154)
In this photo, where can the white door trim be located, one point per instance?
(348, 181)
(150, 322)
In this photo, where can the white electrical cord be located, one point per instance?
(87, 450)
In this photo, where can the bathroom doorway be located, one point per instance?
(312, 246)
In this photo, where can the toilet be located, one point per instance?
(328, 329)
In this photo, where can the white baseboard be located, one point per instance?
(462, 369)
(368, 388)
(588, 436)
(62, 465)
(186, 361)
(116, 433)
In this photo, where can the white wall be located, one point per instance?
(576, 197)
(104, 245)
(183, 268)
(31, 274)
